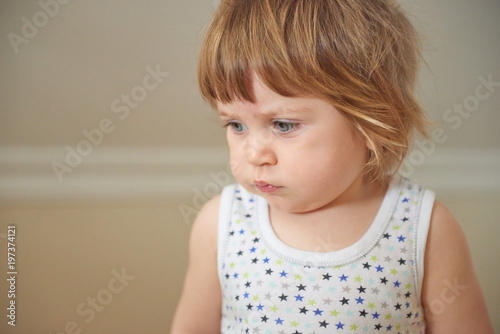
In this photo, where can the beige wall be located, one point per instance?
(129, 200)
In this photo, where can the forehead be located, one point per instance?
(268, 102)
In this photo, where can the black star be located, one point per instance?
(247, 284)
(344, 301)
(366, 265)
(405, 219)
(301, 287)
(240, 253)
(303, 310)
(238, 198)
(264, 318)
(249, 307)
(283, 297)
(227, 276)
(323, 323)
(361, 289)
(327, 276)
(363, 313)
(408, 316)
(256, 240)
(296, 332)
(231, 233)
(269, 271)
(408, 294)
(398, 306)
(255, 260)
(237, 297)
(387, 235)
(377, 327)
(248, 216)
(401, 261)
(384, 280)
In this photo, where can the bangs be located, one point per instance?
(251, 37)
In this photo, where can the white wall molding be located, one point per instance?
(120, 175)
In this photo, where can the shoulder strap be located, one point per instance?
(225, 208)
(422, 223)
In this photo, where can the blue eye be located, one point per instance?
(237, 126)
(285, 127)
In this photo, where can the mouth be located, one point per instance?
(265, 187)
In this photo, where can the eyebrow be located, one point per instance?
(273, 113)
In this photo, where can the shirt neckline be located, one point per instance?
(341, 257)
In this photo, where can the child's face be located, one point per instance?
(299, 153)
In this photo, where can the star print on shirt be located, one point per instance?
(253, 275)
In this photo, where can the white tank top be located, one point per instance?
(371, 286)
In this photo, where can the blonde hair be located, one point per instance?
(362, 56)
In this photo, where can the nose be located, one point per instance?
(259, 151)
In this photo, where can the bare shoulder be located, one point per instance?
(451, 295)
(205, 224)
(199, 309)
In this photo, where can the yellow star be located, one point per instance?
(293, 324)
(279, 262)
(388, 317)
(256, 297)
(371, 305)
(374, 258)
(358, 279)
(298, 277)
(394, 272)
(231, 265)
(408, 286)
(312, 302)
(354, 327)
(334, 313)
(274, 308)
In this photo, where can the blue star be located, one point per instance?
(283, 274)
(397, 284)
(251, 200)
(242, 231)
(318, 312)
(340, 325)
(266, 260)
(260, 307)
(298, 297)
(253, 249)
(343, 278)
(359, 300)
(405, 200)
(235, 275)
(246, 294)
(375, 315)
(389, 327)
(401, 238)
(279, 321)
(379, 268)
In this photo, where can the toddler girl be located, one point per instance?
(320, 235)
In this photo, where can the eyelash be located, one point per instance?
(292, 125)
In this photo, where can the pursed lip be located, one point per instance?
(265, 187)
